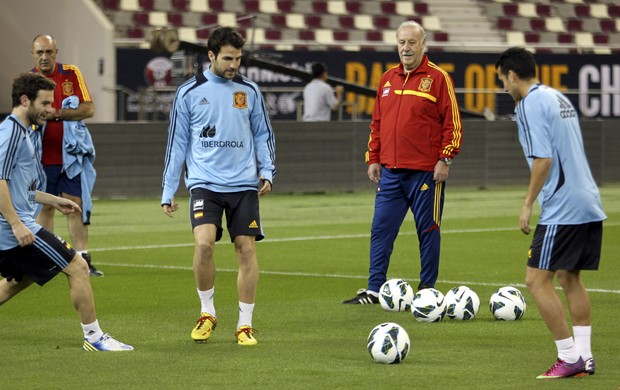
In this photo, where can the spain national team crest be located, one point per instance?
(240, 100)
(425, 84)
(67, 88)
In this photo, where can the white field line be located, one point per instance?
(309, 274)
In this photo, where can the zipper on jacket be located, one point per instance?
(400, 101)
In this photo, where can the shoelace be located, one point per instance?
(106, 338)
(556, 365)
(201, 321)
(248, 332)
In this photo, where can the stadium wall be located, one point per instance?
(329, 157)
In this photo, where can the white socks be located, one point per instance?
(206, 301)
(245, 314)
(567, 350)
(206, 306)
(582, 341)
(92, 332)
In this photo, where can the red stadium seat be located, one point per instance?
(278, 20)
(353, 7)
(347, 22)
(216, 5)
(141, 18)
(147, 5)
(307, 35)
(608, 25)
(135, 32)
(381, 22)
(511, 9)
(504, 24)
(209, 19)
(313, 21)
(600, 39)
(582, 10)
(110, 5)
(203, 34)
(319, 7)
(388, 8)
(538, 24)
(179, 5)
(566, 38)
(420, 8)
(273, 34)
(532, 37)
(285, 6)
(440, 37)
(543, 10)
(341, 35)
(574, 24)
(613, 10)
(175, 19)
(374, 36)
(252, 6)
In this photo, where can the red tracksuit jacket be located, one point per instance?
(416, 119)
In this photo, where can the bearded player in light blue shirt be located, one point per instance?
(30, 253)
(220, 131)
(569, 232)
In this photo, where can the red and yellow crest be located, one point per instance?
(425, 84)
(240, 100)
(67, 88)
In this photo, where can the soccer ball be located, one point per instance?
(428, 305)
(462, 303)
(396, 295)
(507, 304)
(388, 343)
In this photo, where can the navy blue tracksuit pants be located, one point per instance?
(400, 190)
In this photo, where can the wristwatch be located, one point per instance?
(446, 161)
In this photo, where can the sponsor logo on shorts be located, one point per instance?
(253, 225)
(424, 187)
(198, 204)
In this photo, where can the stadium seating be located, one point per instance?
(588, 24)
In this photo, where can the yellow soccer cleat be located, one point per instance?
(245, 337)
(204, 326)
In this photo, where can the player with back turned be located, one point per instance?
(569, 232)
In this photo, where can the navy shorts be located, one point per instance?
(242, 212)
(566, 247)
(41, 261)
(58, 182)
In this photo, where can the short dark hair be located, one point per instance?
(518, 60)
(223, 36)
(318, 69)
(30, 84)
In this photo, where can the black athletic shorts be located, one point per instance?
(242, 214)
(566, 247)
(41, 261)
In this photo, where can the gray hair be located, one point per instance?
(413, 24)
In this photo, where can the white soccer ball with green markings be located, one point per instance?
(388, 343)
(462, 303)
(428, 305)
(507, 304)
(396, 295)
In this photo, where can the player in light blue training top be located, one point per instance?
(30, 253)
(569, 232)
(220, 132)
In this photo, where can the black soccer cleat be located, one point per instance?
(94, 272)
(362, 298)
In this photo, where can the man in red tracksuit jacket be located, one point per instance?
(415, 133)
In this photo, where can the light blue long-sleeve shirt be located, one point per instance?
(220, 131)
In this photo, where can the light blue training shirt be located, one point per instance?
(220, 130)
(549, 128)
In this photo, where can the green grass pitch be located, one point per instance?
(315, 255)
